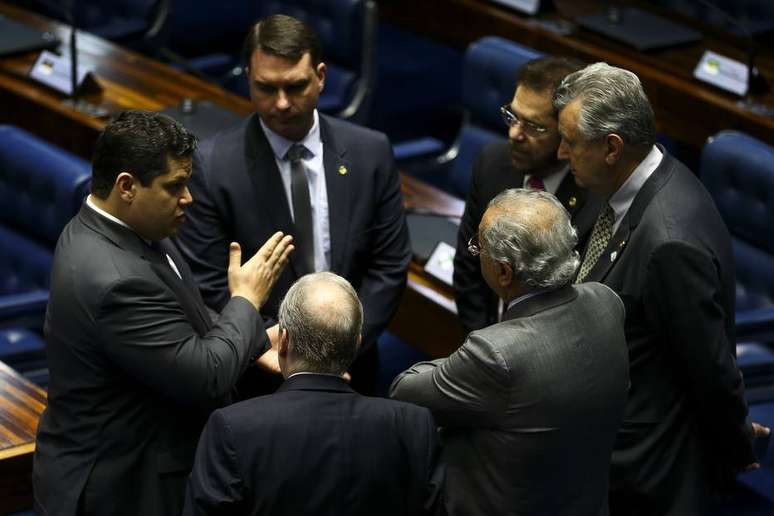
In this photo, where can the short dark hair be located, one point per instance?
(282, 36)
(546, 73)
(138, 142)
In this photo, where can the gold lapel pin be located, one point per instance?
(572, 201)
(343, 170)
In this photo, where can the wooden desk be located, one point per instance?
(21, 404)
(686, 109)
(427, 316)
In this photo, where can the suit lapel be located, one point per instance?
(571, 195)
(268, 189)
(338, 179)
(184, 286)
(127, 239)
(617, 245)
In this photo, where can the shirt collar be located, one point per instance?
(526, 296)
(623, 198)
(280, 145)
(552, 180)
(112, 218)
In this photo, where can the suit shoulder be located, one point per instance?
(349, 132)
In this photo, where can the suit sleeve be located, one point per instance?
(203, 240)
(215, 486)
(145, 332)
(463, 390)
(385, 276)
(476, 304)
(684, 296)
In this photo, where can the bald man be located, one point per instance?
(316, 446)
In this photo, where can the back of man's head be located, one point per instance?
(323, 317)
(138, 142)
(282, 36)
(545, 74)
(531, 231)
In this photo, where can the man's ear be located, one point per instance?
(320, 71)
(284, 342)
(504, 274)
(126, 186)
(614, 148)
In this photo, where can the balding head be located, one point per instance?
(323, 318)
(530, 231)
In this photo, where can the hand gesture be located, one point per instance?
(254, 279)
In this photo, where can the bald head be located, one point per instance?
(531, 232)
(323, 318)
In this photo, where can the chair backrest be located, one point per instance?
(41, 186)
(490, 68)
(126, 21)
(738, 171)
(347, 31)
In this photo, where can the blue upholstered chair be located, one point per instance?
(490, 69)
(41, 189)
(738, 171)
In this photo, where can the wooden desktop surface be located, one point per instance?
(686, 109)
(21, 404)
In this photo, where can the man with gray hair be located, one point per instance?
(529, 406)
(316, 446)
(660, 243)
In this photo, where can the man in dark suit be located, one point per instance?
(136, 362)
(330, 184)
(660, 243)
(315, 447)
(529, 406)
(527, 160)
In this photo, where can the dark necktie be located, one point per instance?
(303, 240)
(535, 183)
(600, 237)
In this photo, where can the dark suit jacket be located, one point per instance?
(238, 196)
(530, 406)
(136, 365)
(315, 447)
(671, 263)
(493, 172)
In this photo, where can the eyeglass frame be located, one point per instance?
(474, 246)
(510, 119)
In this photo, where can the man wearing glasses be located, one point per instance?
(527, 160)
(529, 406)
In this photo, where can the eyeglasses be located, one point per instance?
(510, 118)
(474, 248)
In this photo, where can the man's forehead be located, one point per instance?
(533, 104)
(266, 67)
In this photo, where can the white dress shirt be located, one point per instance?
(318, 191)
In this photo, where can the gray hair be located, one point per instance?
(533, 234)
(323, 317)
(612, 101)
